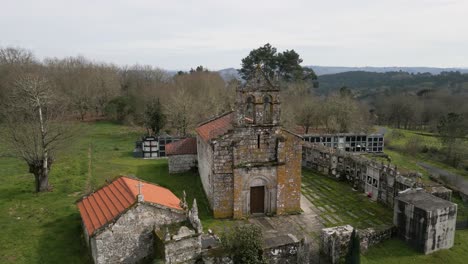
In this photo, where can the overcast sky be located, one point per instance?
(176, 34)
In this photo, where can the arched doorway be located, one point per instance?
(257, 199)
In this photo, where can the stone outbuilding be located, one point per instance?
(182, 155)
(425, 221)
(247, 162)
(120, 218)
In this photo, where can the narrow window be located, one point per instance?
(267, 109)
(250, 110)
(258, 141)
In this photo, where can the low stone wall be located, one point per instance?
(372, 236)
(182, 163)
(282, 249)
(334, 241)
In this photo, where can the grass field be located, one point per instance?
(45, 228)
(398, 139)
(340, 205)
(396, 251)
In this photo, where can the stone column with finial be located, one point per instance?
(140, 197)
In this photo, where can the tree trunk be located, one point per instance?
(41, 175)
(42, 183)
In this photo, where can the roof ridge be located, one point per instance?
(214, 118)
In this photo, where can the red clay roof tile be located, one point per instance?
(216, 127)
(182, 147)
(104, 205)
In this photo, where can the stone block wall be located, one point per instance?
(205, 167)
(289, 174)
(284, 249)
(372, 236)
(334, 242)
(130, 238)
(181, 246)
(182, 163)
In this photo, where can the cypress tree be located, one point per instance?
(353, 255)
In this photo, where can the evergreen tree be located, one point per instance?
(286, 64)
(354, 248)
(155, 119)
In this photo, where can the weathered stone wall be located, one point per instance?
(380, 181)
(441, 192)
(222, 180)
(289, 174)
(182, 163)
(205, 167)
(182, 246)
(334, 241)
(130, 239)
(372, 236)
(283, 249)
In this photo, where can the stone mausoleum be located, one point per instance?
(248, 163)
(425, 221)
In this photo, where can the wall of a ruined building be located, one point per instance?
(289, 175)
(185, 250)
(205, 167)
(130, 238)
(182, 163)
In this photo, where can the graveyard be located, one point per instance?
(48, 229)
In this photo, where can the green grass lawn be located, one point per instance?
(46, 227)
(399, 138)
(396, 251)
(340, 205)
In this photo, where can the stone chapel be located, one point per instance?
(249, 164)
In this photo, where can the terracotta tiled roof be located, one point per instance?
(182, 147)
(215, 127)
(107, 203)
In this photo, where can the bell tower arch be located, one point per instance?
(258, 102)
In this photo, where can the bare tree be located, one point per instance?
(32, 128)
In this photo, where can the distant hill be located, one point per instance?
(365, 84)
(231, 73)
(322, 70)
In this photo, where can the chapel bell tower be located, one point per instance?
(258, 102)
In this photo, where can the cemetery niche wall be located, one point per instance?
(152, 147)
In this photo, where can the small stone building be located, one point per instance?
(119, 219)
(425, 221)
(182, 155)
(247, 162)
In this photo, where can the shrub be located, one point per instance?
(413, 146)
(244, 244)
(120, 108)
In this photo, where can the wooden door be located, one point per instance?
(257, 199)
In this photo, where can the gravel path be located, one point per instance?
(448, 177)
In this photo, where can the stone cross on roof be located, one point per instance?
(140, 197)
